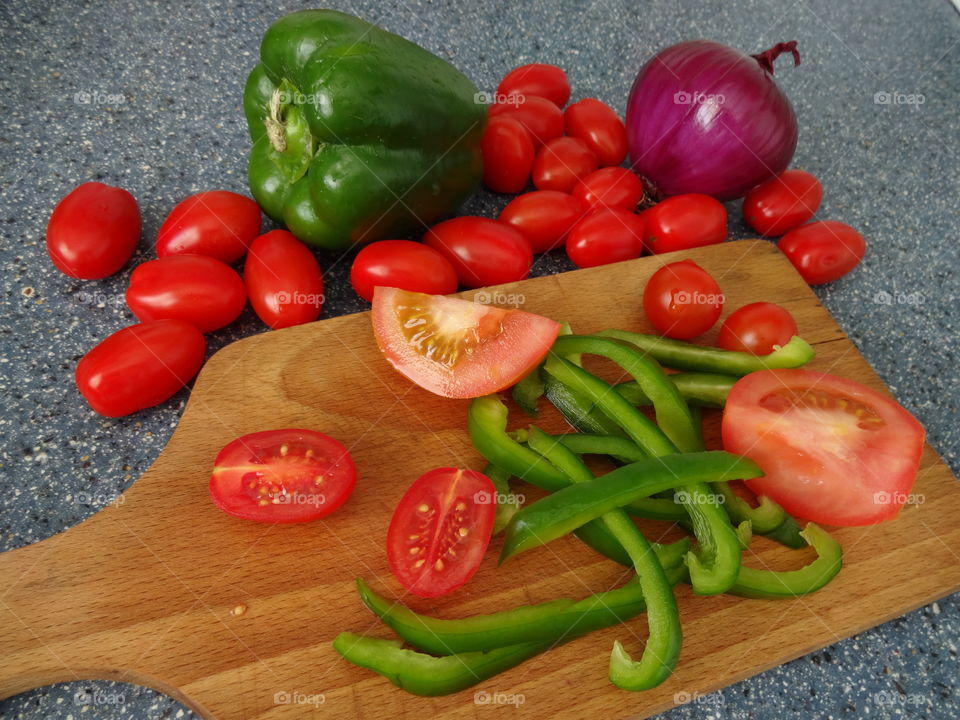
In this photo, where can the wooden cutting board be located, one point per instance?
(148, 590)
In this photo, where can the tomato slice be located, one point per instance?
(833, 451)
(440, 530)
(457, 348)
(282, 476)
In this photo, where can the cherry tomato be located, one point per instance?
(561, 163)
(216, 223)
(507, 149)
(93, 231)
(682, 300)
(402, 264)
(540, 79)
(599, 127)
(757, 328)
(832, 451)
(538, 115)
(823, 251)
(543, 217)
(140, 366)
(457, 348)
(482, 251)
(686, 221)
(199, 290)
(606, 235)
(284, 280)
(440, 530)
(783, 203)
(610, 187)
(282, 476)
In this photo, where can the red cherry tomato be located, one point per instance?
(282, 476)
(757, 328)
(93, 231)
(507, 149)
(140, 366)
(606, 235)
(538, 115)
(544, 217)
(284, 280)
(561, 163)
(440, 530)
(216, 223)
(610, 187)
(783, 203)
(682, 300)
(684, 221)
(199, 290)
(402, 264)
(823, 251)
(599, 127)
(540, 79)
(481, 250)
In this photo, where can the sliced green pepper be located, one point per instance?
(530, 389)
(507, 504)
(706, 389)
(581, 414)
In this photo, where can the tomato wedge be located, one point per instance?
(457, 348)
(440, 530)
(833, 451)
(282, 476)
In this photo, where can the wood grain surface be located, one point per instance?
(148, 590)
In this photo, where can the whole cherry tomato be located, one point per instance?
(507, 149)
(93, 231)
(606, 235)
(757, 328)
(684, 221)
(284, 280)
(402, 264)
(782, 203)
(599, 127)
(544, 217)
(614, 187)
(197, 289)
(216, 223)
(561, 163)
(682, 300)
(481, 250)
(823, 251)
(140, 366)
(541, 117)
(540, 79)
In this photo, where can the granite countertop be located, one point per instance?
(148, 97)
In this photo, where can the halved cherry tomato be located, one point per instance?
(540, 79)
(599, 127)
(823, 251)
(402, 264)
(481, 250)
(541, 117)
(194, 288)
(757, 328)
(457, 348)
(561, 163)
(282, 476)
(832, 450)
(613, 187)
(543, 217)
(686, 221)
(140, 366)
(606, 235)
(440, 530)
(216, 223)
(508, 152)
(682, 300)
(93, 231)
(284, 280)
(782, 203)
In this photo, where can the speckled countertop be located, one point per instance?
(147, 96)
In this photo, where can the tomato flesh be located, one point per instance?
(832, 450)
(440, 530)
(282, 476)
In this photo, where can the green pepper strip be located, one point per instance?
(581, 415)
(530, 389)
(505, 510)
(706, 389)
(681, 355)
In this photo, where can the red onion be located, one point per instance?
(705, 118)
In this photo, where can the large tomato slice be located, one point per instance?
(282, 476)
(440, 530)
(457, 348)
(833, 451)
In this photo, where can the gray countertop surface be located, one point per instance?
(147, 95)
